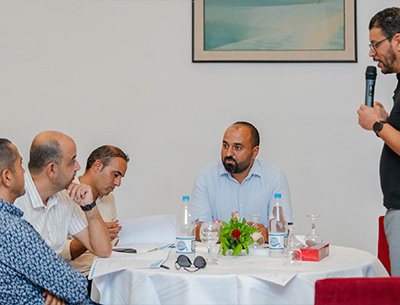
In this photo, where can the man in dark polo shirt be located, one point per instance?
(384, 35)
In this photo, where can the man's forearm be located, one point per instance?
(99, 237)
(76, 248)
(391, 136)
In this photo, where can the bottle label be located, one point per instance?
(185, 245)
(277, 241)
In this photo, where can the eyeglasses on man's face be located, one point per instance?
(373, 46)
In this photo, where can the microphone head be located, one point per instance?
(370, 73)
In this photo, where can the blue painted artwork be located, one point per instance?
(276, 25)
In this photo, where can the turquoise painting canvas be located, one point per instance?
(274, 25)
(296, 26)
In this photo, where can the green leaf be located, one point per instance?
(247, 248)
(237, 250)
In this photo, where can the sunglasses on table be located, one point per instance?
(184, 261)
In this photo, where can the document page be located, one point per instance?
(147, 230)
(120, 261)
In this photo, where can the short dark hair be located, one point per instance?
(8, 156)
(105, 154)
(254, 135)
(387, 20)
(43, 154)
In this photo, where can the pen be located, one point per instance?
(125, 250)
(163, 266)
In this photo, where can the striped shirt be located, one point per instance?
(56, 220)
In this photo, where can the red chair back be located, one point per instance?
(358, 291)
(383, 247)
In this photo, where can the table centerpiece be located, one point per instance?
(237, 236)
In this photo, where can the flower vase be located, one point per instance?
(241, 253)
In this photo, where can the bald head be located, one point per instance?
(254, 135)
(47, 147)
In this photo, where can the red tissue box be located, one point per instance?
(314, 252)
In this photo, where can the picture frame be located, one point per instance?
(274, 31)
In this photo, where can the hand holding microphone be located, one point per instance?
(368, 116)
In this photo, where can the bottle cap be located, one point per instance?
(186, 198)
(277, 195)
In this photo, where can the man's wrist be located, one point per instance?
(377, 127)
(89, 207)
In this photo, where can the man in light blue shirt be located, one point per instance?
(239, 182)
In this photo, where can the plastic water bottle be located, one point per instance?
(185, 232)
(277, 229)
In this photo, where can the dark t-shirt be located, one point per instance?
(390, 161)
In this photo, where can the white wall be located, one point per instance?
(120, 72)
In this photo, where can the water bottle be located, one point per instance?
(185, 232)
(277, 229)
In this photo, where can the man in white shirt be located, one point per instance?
(52, 168)
(105, 168)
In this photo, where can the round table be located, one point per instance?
(251, 279)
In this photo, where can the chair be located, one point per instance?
(358, 291)
(383, 247)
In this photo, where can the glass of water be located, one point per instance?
(209, 234)
(292, 252)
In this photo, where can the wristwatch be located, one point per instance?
(89, 207)
(378, 127)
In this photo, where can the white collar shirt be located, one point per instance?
(53, 221)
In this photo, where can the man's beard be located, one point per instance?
(390, 58)
(234, 168)
(62, 181)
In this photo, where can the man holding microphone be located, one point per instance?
(384, 33)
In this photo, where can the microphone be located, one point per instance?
(370, 77)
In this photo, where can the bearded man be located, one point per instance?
(240, 182)
(384, 35)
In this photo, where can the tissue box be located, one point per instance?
(314, 252)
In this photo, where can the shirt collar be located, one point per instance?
(33, 193)
(9, 208)
(398, 83)
(255, 170)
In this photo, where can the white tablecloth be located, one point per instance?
(235, 280)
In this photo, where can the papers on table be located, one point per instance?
(149, 229)
(144, 258)
(253, 265)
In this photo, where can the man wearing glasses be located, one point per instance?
(384, 35)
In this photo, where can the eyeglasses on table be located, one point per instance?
(185, 262)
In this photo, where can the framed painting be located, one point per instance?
(274, 31)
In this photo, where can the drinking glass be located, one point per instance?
(292, 252)
(255, 217)
(209, 234)
(313, 235)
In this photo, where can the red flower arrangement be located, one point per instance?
(236, 235)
